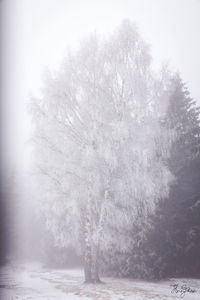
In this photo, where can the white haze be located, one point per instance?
(36, 34)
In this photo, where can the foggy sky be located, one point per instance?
(36, 34)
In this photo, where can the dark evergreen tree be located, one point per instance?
(173, 243)
(183, 116)
(171, 246)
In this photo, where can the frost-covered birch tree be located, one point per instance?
(100, 147)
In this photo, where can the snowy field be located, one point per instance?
(34, 282)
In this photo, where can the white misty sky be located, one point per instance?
(36, 34)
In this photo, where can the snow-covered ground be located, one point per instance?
(19, 282)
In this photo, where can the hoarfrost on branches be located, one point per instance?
(100, 147)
